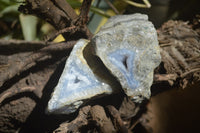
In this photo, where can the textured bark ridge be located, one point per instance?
(180, 46)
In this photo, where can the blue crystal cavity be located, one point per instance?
(123, 59)
(77, 81)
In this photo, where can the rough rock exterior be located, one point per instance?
(128, 46)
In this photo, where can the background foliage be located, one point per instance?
(14, 25)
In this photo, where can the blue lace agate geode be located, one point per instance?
(127, 46)
(76, 84)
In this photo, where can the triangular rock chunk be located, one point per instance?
(76, 84)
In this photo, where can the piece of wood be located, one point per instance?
(28, 60)
(74, 126)
(102, 121)
(116, 118)
(60, 15)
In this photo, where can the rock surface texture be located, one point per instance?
(128, 47)
(128, 50)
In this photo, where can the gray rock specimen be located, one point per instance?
(128, 47)
(76, 84)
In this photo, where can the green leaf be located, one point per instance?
(77, 4)
(74, 4)
(99, 11)
(9, 9)
(6, 3)
(29, 26)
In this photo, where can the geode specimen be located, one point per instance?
(128, 46)
(76, 84)
(122, 55)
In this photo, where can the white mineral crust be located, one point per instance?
(128, 47)
(76, 84)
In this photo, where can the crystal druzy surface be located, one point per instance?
(76, 84)
(128, 47)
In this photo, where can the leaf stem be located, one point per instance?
(145, 5)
